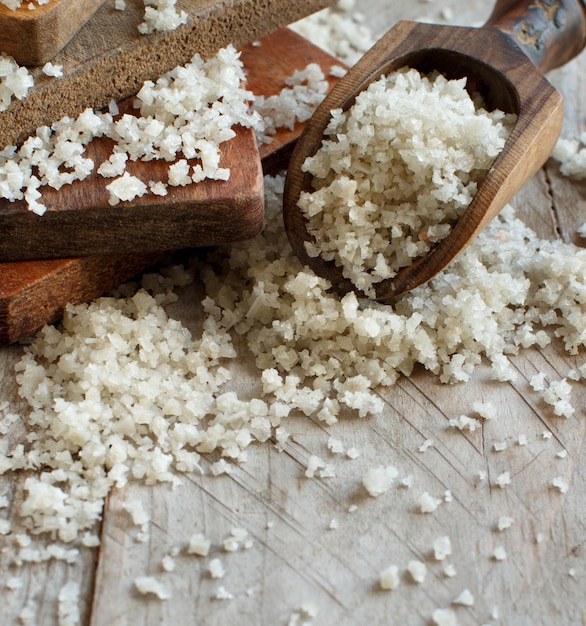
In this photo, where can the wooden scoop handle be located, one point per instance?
(550, 32)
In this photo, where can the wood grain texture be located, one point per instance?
(295, 557)
(80, 222)
(34, 37)
(33, 293)
(109, 60)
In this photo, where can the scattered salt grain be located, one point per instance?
(114, 166)
(417, 570)
(237, 540)
(337, 71)
(389, 578)
(5, 526)
(504, 479)
(151, 585)
(339, 30)
(68, 604)
(486, 410)
(161, 15)
(464, 422)
(447, 14)
(216, 568)
(55, 71)
(428, 443)
(499, 554)
(465, 598)
(168, 563)
(427, 503)
(449, 570)
(562, 454)
(335, 446)
(314, 464)
(352, 453)
(223, 594)
(294, 103)
(378, 480)
(571, 155)
(444, 617)
(499, 446)
(504, 522)
(561, 484)
(442, 548)
(522, 440)
(199, 545)
(537, 382)
(334, 525)
(15, 81)
(125, 188)
(219, 467)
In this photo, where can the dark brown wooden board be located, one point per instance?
(33, 293)
(108, 59)
(33, 37)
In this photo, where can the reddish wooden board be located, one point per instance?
(33, 293)
(33, 37)
(80, 222)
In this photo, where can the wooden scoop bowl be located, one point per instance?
(504, 61)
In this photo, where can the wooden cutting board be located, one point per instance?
(33, 37)
(33, 293)
(80, 221)
(109, 59)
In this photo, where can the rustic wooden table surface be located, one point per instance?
(296, 559)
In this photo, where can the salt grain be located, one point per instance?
(389, 578)
(151, 585)
(216, 568)
(417, 570)
(379, 480)
(504, 522)
(199, 545)
(465, 598)
(503, 479)
(444, 617)
(351, 216)
(442, 548)
(561, 484)
(499, 554)
(427, 503)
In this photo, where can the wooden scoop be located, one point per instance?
(504, 61)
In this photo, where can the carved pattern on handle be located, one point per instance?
(550, 32)
(553, 12)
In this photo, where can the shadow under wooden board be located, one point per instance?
(33, 293)
(34, 36)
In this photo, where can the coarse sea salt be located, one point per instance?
(371, 215)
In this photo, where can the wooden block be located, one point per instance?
(109, 60)
(34, 37)
(33, 293)
(80, 222)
